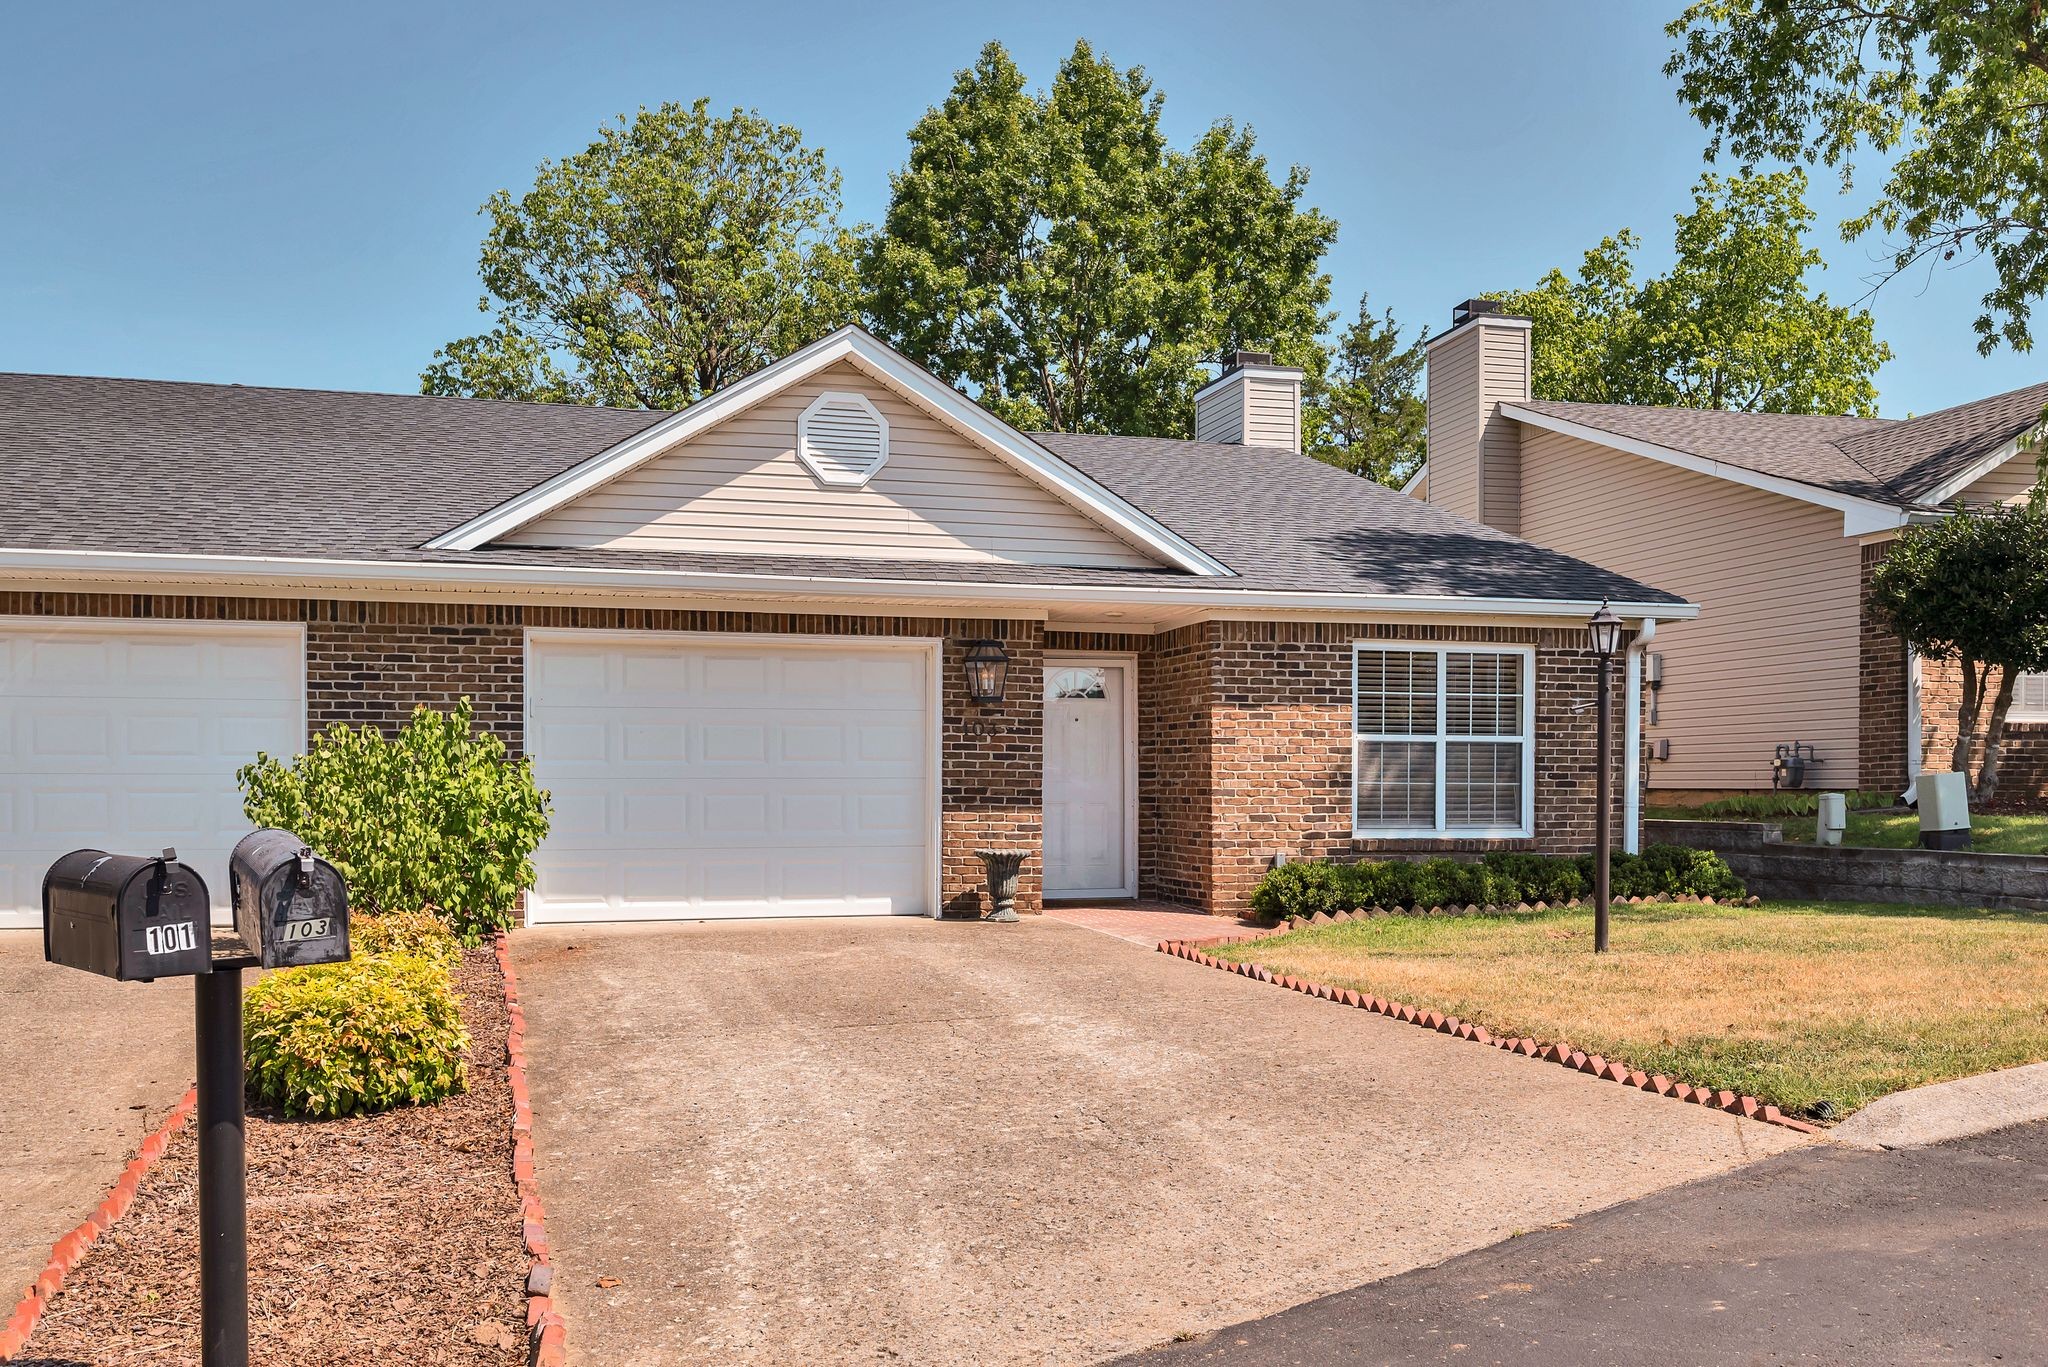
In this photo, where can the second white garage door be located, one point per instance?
(732, 776)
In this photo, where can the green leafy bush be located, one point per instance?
(437, 817)
(364, 1035)
(1761, 805)
(1500, 879)
(404, 932)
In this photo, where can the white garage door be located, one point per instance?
(127, 737)
(728, 776)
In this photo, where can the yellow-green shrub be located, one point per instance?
(404, 932)
(364, 1035)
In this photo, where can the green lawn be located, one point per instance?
(1991, 833)
(1819, 1008)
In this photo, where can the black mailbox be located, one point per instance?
(291, 907)
(127, 916)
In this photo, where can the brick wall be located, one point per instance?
(2022, 757)
(1880, 691)
(1176, 838)
(372, 662)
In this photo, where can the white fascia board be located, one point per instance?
(1955, 484)
(1254, 372)
(1421, 473)
(848, 343)
(277, 573)
(1473, 324)
(1860, 516)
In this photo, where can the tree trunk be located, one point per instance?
(1966, 714)
(1994, 736)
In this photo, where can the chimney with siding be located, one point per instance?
(1475, 454)
(1252, 403)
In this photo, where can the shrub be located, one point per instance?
(436, 817)
(1802, 803)
(1500, 879)
(404, 932)
(367, 1034)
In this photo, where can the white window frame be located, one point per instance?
(1442, 739)
(2019, 710)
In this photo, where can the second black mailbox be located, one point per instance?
(291, 907)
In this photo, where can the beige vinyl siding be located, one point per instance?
(740, 489)
(2009, 483)
(1272, 413)
(1421, 489)
(1219, 414)
(1453, 386)
(1773, 654)
(1504, 378)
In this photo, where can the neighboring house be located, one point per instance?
(1772, 523)
(735, 640)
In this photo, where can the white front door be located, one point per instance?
(1090, 793)
(712, 776)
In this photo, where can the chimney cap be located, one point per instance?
(1464, 313)
(1238, 360)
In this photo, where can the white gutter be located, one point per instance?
(1632, 738)
(280, 571)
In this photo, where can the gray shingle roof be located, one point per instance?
(171, 468)
(1900, 462)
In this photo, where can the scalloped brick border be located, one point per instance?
(544, 1322)
(1196, 951)
(66, 1252)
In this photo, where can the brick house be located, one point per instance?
(1772, 523)
(736, 640)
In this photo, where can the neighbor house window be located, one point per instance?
(2029, 698)
(1441, 741)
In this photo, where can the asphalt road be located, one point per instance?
(1821, 1255)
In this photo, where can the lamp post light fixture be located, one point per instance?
(988, 672)
(1603, 632)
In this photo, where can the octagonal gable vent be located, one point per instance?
(842, 439)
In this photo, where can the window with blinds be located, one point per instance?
(1442, 741)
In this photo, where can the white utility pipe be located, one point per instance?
(1632, 739)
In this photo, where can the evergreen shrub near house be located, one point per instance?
(1500, 879)
(371, 1033)
(436, 817)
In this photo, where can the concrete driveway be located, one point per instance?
(907, 1141)
(87, 1068)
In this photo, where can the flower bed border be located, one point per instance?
(1323, 918)
(549, 1347)
(1748, 1107)
(66, 1252)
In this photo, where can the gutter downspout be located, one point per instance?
(1632, 741)
(1914, 759)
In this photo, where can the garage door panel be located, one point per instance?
(127, 737)
(731, 779)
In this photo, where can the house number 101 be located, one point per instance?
(168, 939)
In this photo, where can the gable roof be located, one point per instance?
(1906, 463)
(892, 368)
(317, 483)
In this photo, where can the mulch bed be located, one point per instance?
(385, 1238)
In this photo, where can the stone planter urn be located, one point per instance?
(1003, 867)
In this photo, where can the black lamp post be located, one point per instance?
(1603, 630)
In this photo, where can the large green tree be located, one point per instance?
(1731, 325)
(676, 254)
(1052, 254)
(1368, 414)
(1953, 92)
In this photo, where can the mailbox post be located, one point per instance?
(138, 919)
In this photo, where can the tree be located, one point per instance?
(1960, 85)
(1051, 254)
(1368, 415)
(676, 254)
(1973, 588)
(1730, 326)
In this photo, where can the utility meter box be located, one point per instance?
(291, 907)
(1831, 819)
(132, 917)
(1944, 811)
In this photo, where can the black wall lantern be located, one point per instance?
(988, 672)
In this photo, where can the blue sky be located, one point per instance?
(287, 194)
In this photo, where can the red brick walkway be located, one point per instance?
(1146, 923)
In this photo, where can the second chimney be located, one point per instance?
(1252, 403)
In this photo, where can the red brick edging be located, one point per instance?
(1196, 951)
(64, 1255)
(543, 1321)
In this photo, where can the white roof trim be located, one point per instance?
(283, 573)
(1421, 473)
(1860, 516)
(1254, 372)
(892, 368)
(1474, 323)
(1955, 484)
